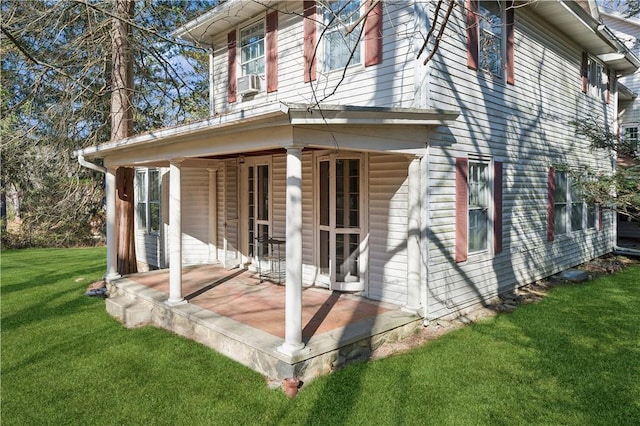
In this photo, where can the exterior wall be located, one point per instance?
(388, 200)
(195, 216)
(526, 127)
(389, 84)
(627, 30)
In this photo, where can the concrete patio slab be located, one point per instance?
(234, 313)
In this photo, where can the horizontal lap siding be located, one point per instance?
(147, 248)
(388, 228)
(389, 84)
(195, 216)
(526, 127)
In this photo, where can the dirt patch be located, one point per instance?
(506, 302)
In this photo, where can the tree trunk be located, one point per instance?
(122, 127)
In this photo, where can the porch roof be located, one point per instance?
(221, 132)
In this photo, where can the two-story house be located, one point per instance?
(413, 152)
(627, 29)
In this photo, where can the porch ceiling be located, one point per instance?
(275, 126)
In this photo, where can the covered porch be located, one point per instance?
(233, 312)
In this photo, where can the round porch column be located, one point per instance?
(112, 250)
(175, 234)
(293, 286)
(414, 233)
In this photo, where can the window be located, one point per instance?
(341, 49)
(631, 136)
(595, 77)
(252, 49)
(148, 200)
(570, 210)
(478, 207)
(490, 38)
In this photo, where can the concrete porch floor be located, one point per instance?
(234, 313)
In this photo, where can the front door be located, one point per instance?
(340, 222)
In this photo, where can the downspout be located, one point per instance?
(212, 101)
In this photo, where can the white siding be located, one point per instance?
(526, 127)
(388, 228)
(227, 207)
(388, 84)
(195, 216)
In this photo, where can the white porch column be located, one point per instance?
(414, 255)
(112, 250)
(293, 291)
(175, 234)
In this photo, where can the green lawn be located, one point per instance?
(572, 359)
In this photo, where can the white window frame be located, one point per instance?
(261, 57)
(596, 78)
(337, 29)
(144, 196)
(573, 203)
(634, 141)
(487, 31)
(330, 278)
(485, 203)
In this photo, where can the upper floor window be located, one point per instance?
(490, 38)
(341, 47)
(252, 49)
(148, 200)
(595, 77)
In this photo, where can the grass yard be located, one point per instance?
(573, 359)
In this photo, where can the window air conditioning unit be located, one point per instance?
(248, 84)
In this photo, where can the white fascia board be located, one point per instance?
(221, 18)
(338, 115)
(264, 113)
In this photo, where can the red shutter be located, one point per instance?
(600, 219)
(510, 42)
(462, 200)
(231, 66)
(272, 51)
(309, 29)
(608, 93)
(472, 34)
(584, 72)
(373, 36)
(551, 202)
(497, 207)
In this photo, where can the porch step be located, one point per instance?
(132, 313)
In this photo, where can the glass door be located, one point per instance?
(259, 206)
(339, 222)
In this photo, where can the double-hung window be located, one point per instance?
(491, 45)
(490, 38)
(561, 209)
(341, 47)
(631, 134)
(148, 200)
(478, 206)
(252, 49)
(571, 211)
